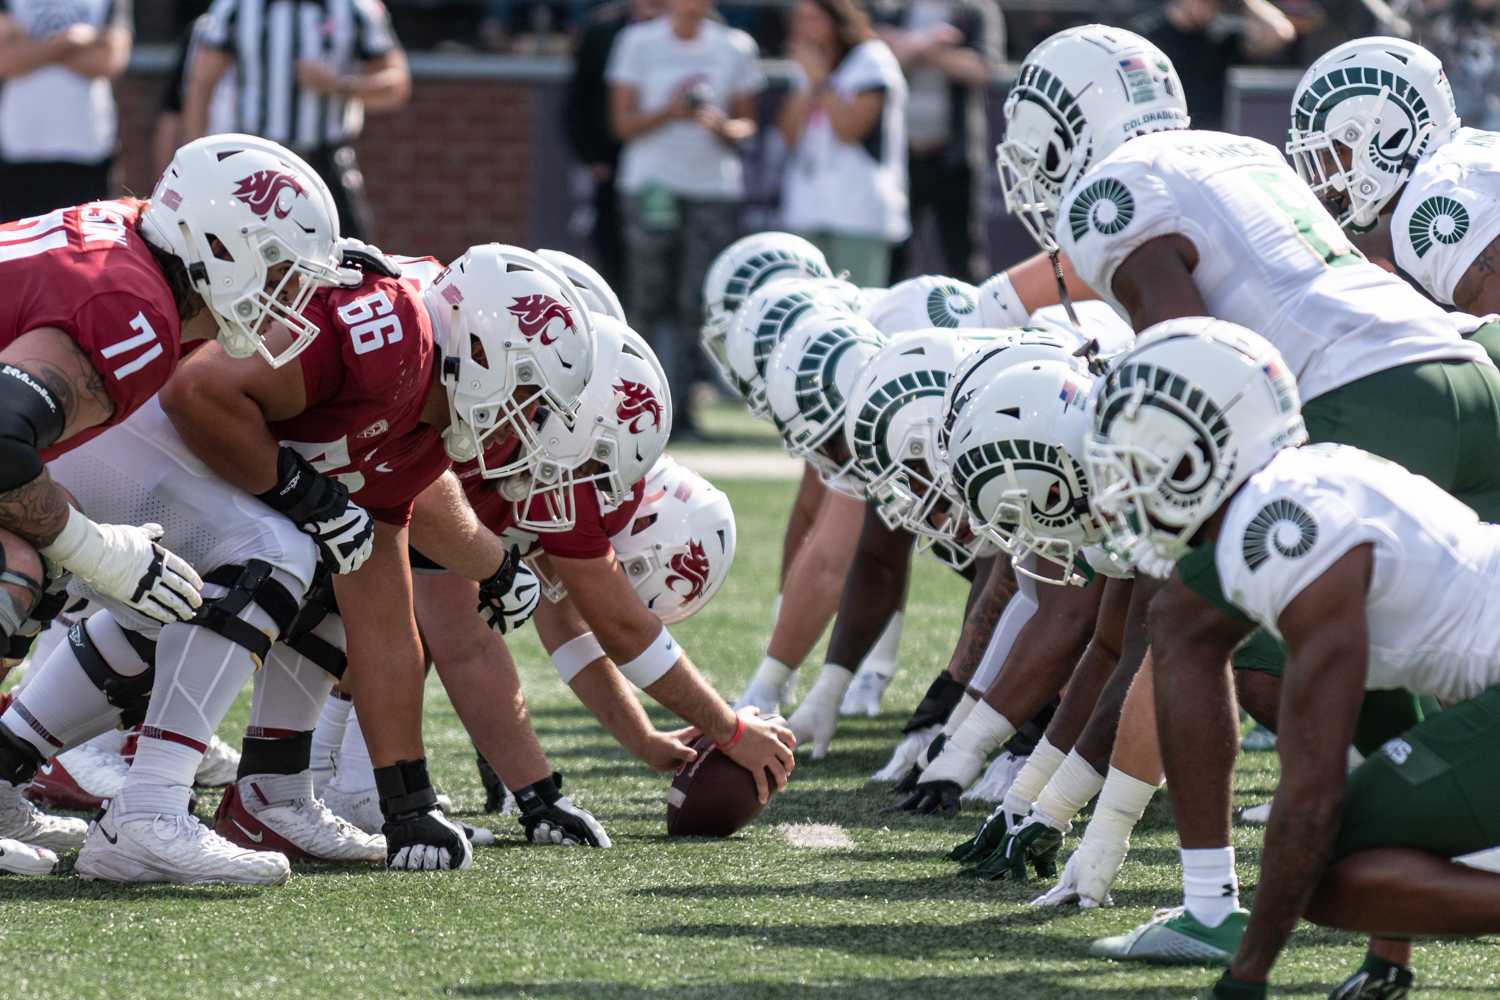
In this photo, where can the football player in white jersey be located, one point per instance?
(1162, 223)
(1324, 546)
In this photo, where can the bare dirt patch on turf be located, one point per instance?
(814, 834)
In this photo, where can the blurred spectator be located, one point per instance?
(1203, 40)
(949, 50)
(845, 125)
(58, 122)
(586, 125)
(682, 94)
(306, 71)
(221, 108)
(527, 27)
(1465, 35)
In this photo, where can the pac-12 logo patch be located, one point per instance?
(690, 567)
(263, 192)
(1281, 524)
(1437, 220)
(534, 315)
(637, 402)
(1106, 204)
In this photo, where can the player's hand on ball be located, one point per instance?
(668, 751)
(550, 817)
(764, 748)
(426, 841)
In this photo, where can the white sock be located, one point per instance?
(355, 772)
(773, 672)
(1032, 779)
(1071, 787)
(328, 734)
(1122, 803)
(1210, 889)
(881, 659)
(959, 714)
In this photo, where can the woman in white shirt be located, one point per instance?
(845, 124)
(682, 95)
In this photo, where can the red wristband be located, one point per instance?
(738, 732)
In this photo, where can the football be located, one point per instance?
(713, 796)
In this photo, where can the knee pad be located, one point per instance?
(319, 604)
(19, 760)
(131, 695)
(251, 582)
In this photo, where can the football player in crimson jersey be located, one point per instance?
(98, 300)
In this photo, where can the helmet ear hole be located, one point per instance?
(1184, 470)
(476, 351)
(1050, 164)
(220, 251)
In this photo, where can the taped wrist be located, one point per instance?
(405, 790)
(302, 493)
(936, 704)
(31, 418)
(538, 796)
(498, 583)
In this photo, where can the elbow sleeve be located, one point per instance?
(31, 418)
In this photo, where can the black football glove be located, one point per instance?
(508, 598)
(1230, 988)
(418, 837)
(550, 817)
(931, 796)
(320, 506)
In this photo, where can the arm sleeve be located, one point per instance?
(1275, 543)
(1109, 215)
(376, 36)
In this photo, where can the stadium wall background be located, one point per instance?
(477, 155)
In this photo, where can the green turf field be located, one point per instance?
(654, 919)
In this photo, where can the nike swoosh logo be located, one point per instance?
(113, 840)
(382, 467)
(256, 837)
(46, 768)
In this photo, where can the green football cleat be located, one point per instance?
(1176, 937)
(983, 843)
(1032, 843)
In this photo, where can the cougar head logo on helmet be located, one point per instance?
(261, 188)
(258, 232)
(1078, 96)
(636, 404)
(1183, 418)
(691, 568)
(1383, 102)
(534, 315)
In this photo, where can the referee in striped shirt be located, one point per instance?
(306, 72)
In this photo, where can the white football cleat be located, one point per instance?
(1259, 815)
(479, 836)
(17, 858)
(20, 820)
(762, 695)
(171, 848)
(997, 778)
(360, 807)
(221, 763)
(277, 812)
(864, 694)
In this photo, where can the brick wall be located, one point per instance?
(451, 169)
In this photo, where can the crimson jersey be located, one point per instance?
(589, 537)
(368, 374)
(85, 271)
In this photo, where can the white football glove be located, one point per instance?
(345, 540)
(1089, 874)
(427, 841)
(125, 562)
(507, 608)
(907, 752)
(817, 718)
(997, 778)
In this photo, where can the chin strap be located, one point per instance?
(1062, 286)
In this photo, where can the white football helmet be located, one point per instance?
(1186, 416)
(1016, 458)
(621, 427)
(678, 548)
(740, 269)
(1078, 96)
(1384, 100)
(808, 380)
(515, 338)
(758, 325)
(1003, 349)
(264, 207)
(891, 427)
(590, 284)
(923, 302)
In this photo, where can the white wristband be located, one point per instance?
(572, 656)
(999, 305)
(655, 660)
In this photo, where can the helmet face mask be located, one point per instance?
(1362, 116)
(257, 230)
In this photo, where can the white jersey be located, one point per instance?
(1270, 257)
(1434, 601)
(1449, 211)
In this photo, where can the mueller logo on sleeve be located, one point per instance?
(691, 568)
(269, 190)
(534, 315)
(637, 402)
